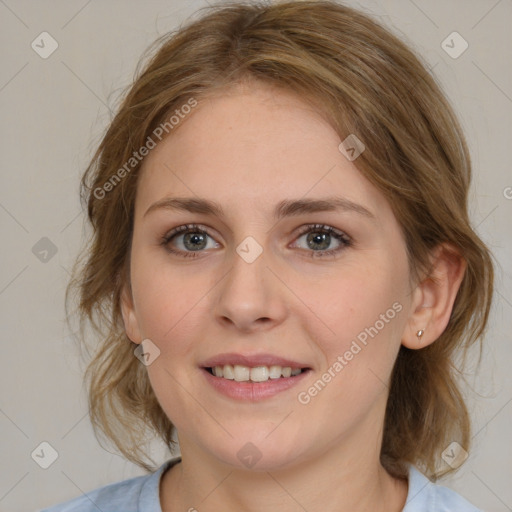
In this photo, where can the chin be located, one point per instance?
(258, 455)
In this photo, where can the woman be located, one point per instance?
(282, 270)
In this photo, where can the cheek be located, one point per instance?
(360, 303)
(168, 302)
(365, 312)
(171, 307)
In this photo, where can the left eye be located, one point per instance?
(320, 236)
(195, 239)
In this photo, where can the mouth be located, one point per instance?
(252, 378)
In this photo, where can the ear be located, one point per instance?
(131, 325)
(434, 296)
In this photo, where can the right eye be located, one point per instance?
(194, 239)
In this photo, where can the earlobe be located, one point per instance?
(131, 325)
(434, 297)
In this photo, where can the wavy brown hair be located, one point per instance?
(365, 81)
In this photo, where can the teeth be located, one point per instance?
(286, 371)
(227, 371)
(275, 372)
(242, 373)
(260, 374)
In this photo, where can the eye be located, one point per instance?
(320, 236)
(194, 240)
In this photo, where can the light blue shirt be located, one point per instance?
(141, 494)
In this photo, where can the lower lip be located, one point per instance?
(252, 391)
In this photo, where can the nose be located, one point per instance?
(251, 296)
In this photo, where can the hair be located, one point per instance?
(366, 82)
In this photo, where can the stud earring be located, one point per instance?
(420, 334)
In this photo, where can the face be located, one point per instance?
(325, 291)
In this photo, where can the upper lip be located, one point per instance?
(252, 360)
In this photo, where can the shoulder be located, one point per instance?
(128, 495)
(425, 496)
(118, 496)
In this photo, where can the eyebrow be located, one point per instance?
(285, 208)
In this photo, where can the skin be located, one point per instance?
(247, 151)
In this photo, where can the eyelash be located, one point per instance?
(345, 240)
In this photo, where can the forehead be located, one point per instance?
(252, 147)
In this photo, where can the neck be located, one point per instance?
(335, 481)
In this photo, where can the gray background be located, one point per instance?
(53, 113)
